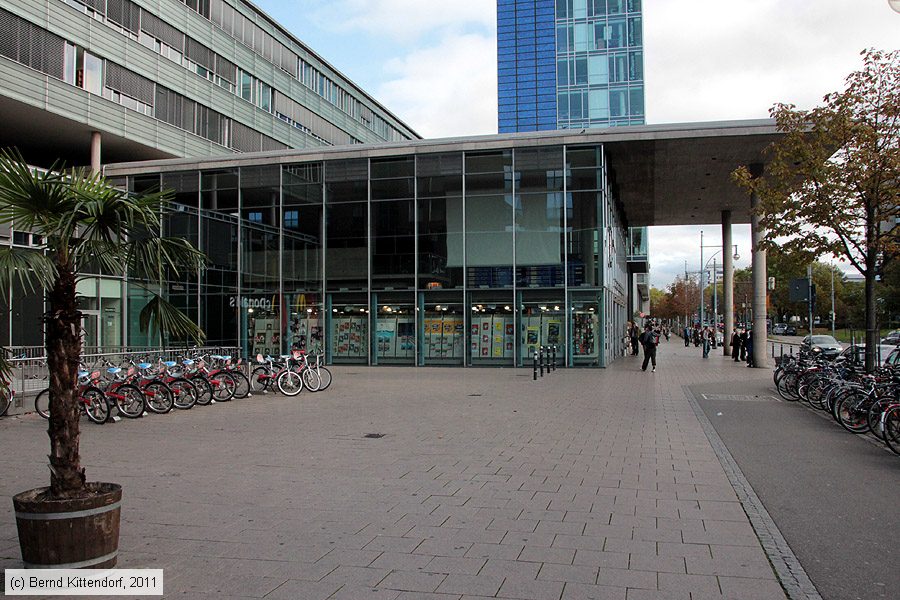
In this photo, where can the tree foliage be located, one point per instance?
(82, 220)
(831, 185)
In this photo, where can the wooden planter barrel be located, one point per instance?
(79, 533)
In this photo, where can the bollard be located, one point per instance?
(792, 350)
(535, 365)
(553, 362)
(541, 353)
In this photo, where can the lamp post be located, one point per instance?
(703, 275)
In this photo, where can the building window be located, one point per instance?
(255, 216)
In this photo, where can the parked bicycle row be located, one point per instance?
(133, 388)
(860, 402)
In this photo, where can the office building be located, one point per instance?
(97, 81)
(575, 64)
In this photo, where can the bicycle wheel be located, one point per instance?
(324, 377)
(5, 400)
(95, 405)
(159, 397)
(42, 403)
(241, 384)
(311, 380)
(129, 400)
(853, 413)
(184, 393)
(890, 428)
(204, 389)
(289, 383)
(873, 415)
(260, 379)
(223, 386)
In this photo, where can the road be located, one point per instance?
(833, 495)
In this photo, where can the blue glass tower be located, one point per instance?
(569, 64)
(526, 69)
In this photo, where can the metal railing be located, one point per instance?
(30, 372)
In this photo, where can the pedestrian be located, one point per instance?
(649, 340)
(750, 348)
(705, 340)
(665, 331)
(735, 345)
(635, 334)
(687, 336)
(744, 334)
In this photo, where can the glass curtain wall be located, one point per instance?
(261, 302)
(347, 260)
(393, 300)
(489, 243)
(219, 231)
(439, 185)
(301, 257)
(462, 258)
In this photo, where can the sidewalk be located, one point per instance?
(586, 484)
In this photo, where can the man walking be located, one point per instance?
(649, 340)
(687, 336)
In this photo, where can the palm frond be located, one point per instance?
(161, 317)
(32, 269)
(31, 199)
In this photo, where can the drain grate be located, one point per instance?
(474, 395)
(374, 436)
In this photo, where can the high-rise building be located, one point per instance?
(569, 64)
(575, 64)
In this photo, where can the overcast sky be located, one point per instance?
(434, 64)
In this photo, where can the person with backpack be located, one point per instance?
(649, 340)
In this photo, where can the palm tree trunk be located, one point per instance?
(63, 339)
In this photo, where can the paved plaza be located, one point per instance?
(587, 484)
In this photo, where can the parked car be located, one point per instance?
(790, 330)
(779, 329)
(892, 339)
(827, 345)
(857, 354)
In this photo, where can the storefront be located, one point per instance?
(451, 258)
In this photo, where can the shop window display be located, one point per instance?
(492, 333)
(349, 333)
(444, 334)
(542, 324)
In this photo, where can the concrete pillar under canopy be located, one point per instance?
(95, 151)
(727, 280)
(757, 234)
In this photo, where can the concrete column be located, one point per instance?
(728, 280)
(95, 151)
(760, 337)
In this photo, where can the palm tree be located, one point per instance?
(83, 220)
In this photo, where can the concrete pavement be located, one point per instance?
(586, 484)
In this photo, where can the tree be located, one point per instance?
(659, 303)
(831, 187)
(82, 218)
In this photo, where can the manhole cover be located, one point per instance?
(374, 435)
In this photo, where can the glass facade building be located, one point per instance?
(569, 64)
(457, 257)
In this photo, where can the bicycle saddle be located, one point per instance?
(144, 365)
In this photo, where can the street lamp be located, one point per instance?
(703, 275)
(895, 4)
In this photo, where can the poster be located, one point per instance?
(553, 333)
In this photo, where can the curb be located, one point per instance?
(791, 575)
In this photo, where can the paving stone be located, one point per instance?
(455, 564)
(409, 581)
(580, 591)
(562, 556)
(511, 568)
(627, 578)
(476, 585)
(529, 589)
(568, 573)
